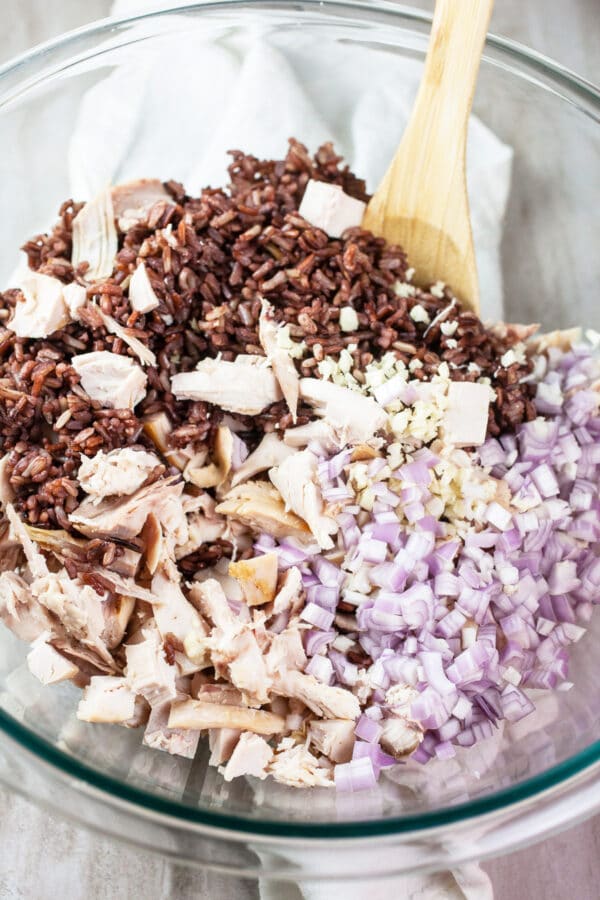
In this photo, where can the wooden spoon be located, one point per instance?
(422, 202)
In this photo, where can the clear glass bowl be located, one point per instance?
(543, 773)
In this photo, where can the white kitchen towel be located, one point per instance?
(174, 109)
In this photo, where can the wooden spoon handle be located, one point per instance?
(446, 92)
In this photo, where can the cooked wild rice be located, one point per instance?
(210, 259)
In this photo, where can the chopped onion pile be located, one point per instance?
(462, 620)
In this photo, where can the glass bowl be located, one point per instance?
(538, 775)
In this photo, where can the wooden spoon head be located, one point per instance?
(433, 253)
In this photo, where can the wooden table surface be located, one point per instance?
(43, 857)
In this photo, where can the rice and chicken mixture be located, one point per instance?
(258, 485)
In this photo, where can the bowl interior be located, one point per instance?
(174, 81)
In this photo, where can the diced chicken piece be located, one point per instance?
(127, 335)
(152, 539)
(318, 431)
(35, 560)
(208, 596)
(88, 661)
(20, 611)
(563, 339)
(200, 715)
(327, 207)
(173, 613)
(83, 613)
(124, 519)
(297, 767)
(290, 592)
(248, 390)
(286, 651)
(141, 293)
(296, 480)
(177, 741)
(127, 587)
(95, 237)
(148, 672)
(201, 530)
(217, 472)
(119, 472)
(117, 614)
(280, 359)
(43, 309)
(116, 382)
(466, 416)
(107, 698)
(270, 452)
(245, 664)
(218, 693)
(400, 736)
(355, 418)
(514, 332)
(48, 665)
(221, 742)
(334, 738)
(257, 578)
(260, 506)
(220, 574)
(10, 550)
(133, 201)
(158, 428)
(251, 756)
(324, 700)
(65, 546)
(7, 493)
(75, 297)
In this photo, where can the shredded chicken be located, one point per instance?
(95, 237)
(7, 493)
(141, 293)
(235, 386)
(400, 736)
(158, 428)
(221, 742)
(215, 473)
(43, 309)
(198, 714)
(251, 756)
(127, 335)
(120, 472)
(148, 672)
(270, 452)
(319, 432)
(290, 593)
(297, 767)
(257, 578)
(324, 700)
(20, 611)
(296, 480)
(260, 506)
(48, 665)
(108, 698)
(280, 359)
(178, 741)
(124, 519)
(334, 738)
(133, 200)
(174, 614)
(116, 382)
(354, 417)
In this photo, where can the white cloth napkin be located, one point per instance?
(252, 93)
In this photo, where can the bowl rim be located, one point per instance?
(534, 66)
